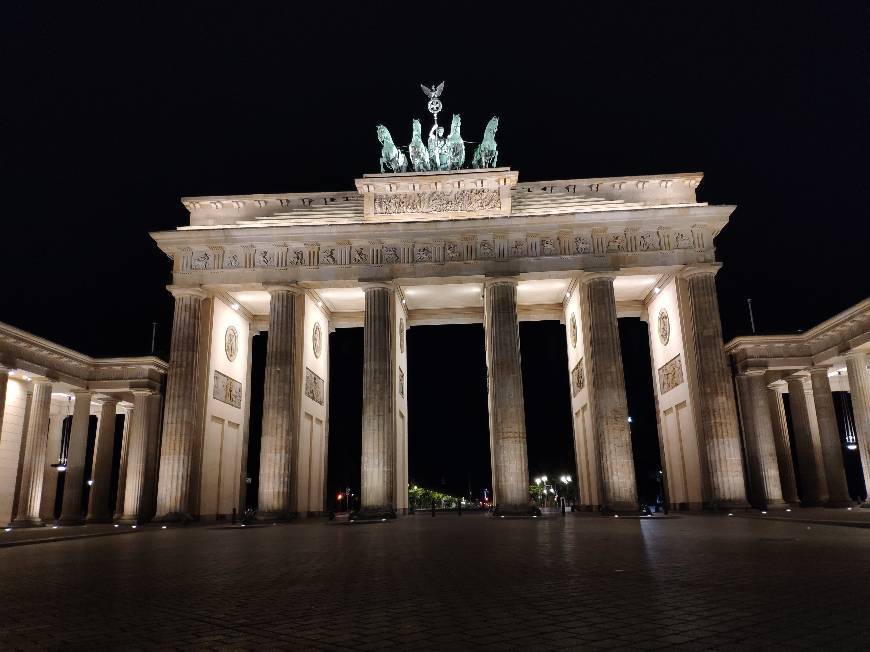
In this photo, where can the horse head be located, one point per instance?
(416, 130)
(384, 135)
(491, 127)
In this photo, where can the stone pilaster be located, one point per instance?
(507, 420)
(122, 468)
(137, 454)
(71, 510)
(719, 436)
(99, 510)
(179, 417)
(607, 395)
(34, 456)
(829, 434)
(378, 476)
(859, 388)
(783, 446)
(280, 402)
(814, 490)
(760, 446)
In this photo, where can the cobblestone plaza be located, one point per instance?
(690, 582)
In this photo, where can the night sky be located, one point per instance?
(113, 111)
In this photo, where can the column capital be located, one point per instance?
(142, 391)
(815, 371)
(365, 286)
(752, 372)
(178, 291)
(851, 354)
(106, 400)
(703, 269)
(271, 288)
(81, 392)
(490, 281)
(587, 277)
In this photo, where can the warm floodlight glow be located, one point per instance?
(7, 529)
(90, 483)
(234, 306)
(656, 290)
(163, 527)
(116, 525)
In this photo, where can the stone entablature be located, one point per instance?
(22, 350)
(822, 345)
(607, 193)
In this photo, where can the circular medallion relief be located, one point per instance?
(401, 335)
(573, 329)
(317, 340)
(231, 343)
(664, 326)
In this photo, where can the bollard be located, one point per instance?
(234, 515)
(459, 507)
(433, 509)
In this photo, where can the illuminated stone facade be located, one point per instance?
(470, 246)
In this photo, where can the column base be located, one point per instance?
(372, 516)
(98, 519)
(839, 502)
(70, 521)
(27, 522)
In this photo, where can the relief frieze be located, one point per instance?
(437, 202)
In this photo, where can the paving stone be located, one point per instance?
(695, 582)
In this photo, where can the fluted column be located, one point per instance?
(760, 445)
(719, 436)
(71, 510)
(137, 453)
(99, 510)
(122, 466)
(49, 472)
(34, 456)
(829, 434)
(783, 446)
(814, 490)
(179, 418)
(507, 417)
(4, 379)
(607, 395)
(280, 402)
(859, 388)
(378, 423)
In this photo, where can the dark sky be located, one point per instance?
(112, 111)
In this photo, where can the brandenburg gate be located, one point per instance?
(438, 247)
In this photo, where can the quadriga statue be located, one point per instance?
(391, 156)
(455, 146)
(417, 149)
(486, 154)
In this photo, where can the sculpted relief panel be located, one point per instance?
(227, 390)
(314, 387)
(437, 202)
(670, 374)
(578, 378)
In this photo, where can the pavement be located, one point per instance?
(693, 582)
